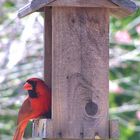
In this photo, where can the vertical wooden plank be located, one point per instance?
(48, 46)
(43, 128)
(80, 72)
(114, 129)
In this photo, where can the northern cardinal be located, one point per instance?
(37, 103)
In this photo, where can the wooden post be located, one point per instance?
(48, 46)
(114, 129)
(80, 72)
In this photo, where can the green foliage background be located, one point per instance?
(25, 37)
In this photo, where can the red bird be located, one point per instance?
(37, 103)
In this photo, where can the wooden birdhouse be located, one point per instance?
(77, 65)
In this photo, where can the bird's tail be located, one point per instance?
(20, 130)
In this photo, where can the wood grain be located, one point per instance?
(42, 128)
(83, 3)
(119, 13)
(126, 8)
(80, 72)
(34, 5)
(114, 129)
(126, 4)
(118, 8)
(48, 46)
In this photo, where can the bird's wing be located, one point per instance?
(25, 111)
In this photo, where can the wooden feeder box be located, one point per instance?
(77, 65)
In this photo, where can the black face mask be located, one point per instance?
(32, 93)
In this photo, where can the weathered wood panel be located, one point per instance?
(48, 46)
(126, 8)
(114, 132)
(33, 6)
(126, 4)
(42, 128)
(83, 3)
(118, 8)
(80, 72)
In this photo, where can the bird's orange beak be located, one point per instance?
(27, 86)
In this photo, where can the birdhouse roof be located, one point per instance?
(118, 8)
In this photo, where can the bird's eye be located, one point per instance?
(33, 83)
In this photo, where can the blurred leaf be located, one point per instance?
(9, 4)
